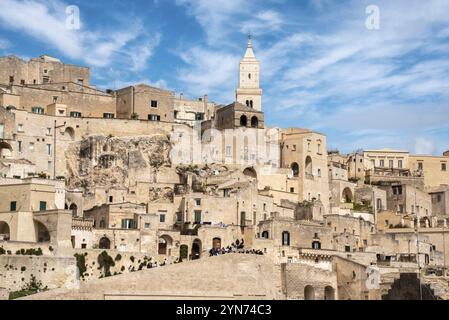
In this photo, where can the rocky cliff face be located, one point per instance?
(100, 161)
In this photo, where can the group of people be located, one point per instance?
(237, 247)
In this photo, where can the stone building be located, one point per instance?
(145, 103)
(304, 153)
(41, 70)
(434, 168)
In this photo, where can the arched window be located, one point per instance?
(251, 103)
(247, 103)
(285, 238)
(243, 121)
(74, 210)
(265, 235)
(254, 122)
(347, 195)
(249, 75)
(102, 224)
(309, 168)
(295, 169)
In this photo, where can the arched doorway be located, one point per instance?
(165, 243)
(183, 252)
(105, 243)
(250, 172)
(347, 195)
(196, 249)
(5, 233)
(74, 208)
(309, 293)
(42, 234)
(295, 169)
(254, 122)
(329, 293)
(309, 168)
(216, 243)
(243, 121)
(5, 150)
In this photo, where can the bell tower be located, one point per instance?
(249, 93)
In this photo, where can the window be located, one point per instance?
(228, 151)
(292, 190)
(400, 164)
(319, 172)
(439, 198)
(49, 166)
(42, 205)
(111, 199)
(19, 146)
(45, 79)
(390, 164)
(49, 149)
(22, 82)
(108, 115)
(198, 202)
(48, 133)
(31, 146)
(1, 131)
(11, 79)
(319, 148)
(153, 104)
(443, 167)
(420, 166)
(162, 218)
(249, 75)
(175, 114)
(147, 225)
(293, 147)
(199, 116)
(20, 127)
(382, 163)
(179, 216)
(55, 99)
(81, 82)
(197, 217)
(347, 249)
(154, 117)
(316, 245)
(285, 238)
(13, 206)
(75, 114)
(128, 224)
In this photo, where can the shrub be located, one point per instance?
(34, 286)
(81, 264)
(105, 262)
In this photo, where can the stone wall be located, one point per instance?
(54, 272)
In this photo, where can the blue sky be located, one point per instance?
(321, 67)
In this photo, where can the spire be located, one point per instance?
(249, 54)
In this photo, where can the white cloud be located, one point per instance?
(209, 72)
(97, 48)
(424, 146)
